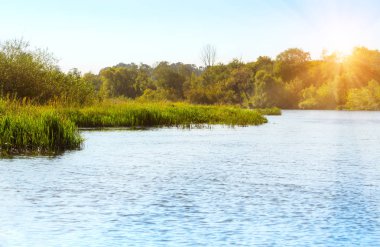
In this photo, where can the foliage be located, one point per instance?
(365, 98)
(26, 129)
(291, 80)
(291, 63)
(317, 98)
(33, 74)
(274, 111)
(125, 113)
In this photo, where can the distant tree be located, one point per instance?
(365, 98)
(120, 81)
(267, 89)
(291, 63)
(168, 77)
(263, 63)
(293, 56)
(363, 64)
(94, 80)
(292, 93)
(33, 74)
(318, 98)
(208, 55)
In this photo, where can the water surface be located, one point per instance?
(307, 178)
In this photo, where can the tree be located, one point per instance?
(208, 55)
(33, 74)
(169, 79)
(292, 93)
(318, 98)
(365, 98)
(120, 81)
(267, 91)
(291, 63)
(364, 65)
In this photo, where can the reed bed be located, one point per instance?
(274, 111)
(137, 114)
(27, 128)
(24, 133)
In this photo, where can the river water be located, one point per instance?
(307, 178)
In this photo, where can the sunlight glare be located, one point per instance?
(340, 36)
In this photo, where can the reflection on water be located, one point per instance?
(308, 178)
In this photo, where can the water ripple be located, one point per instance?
(307, 178)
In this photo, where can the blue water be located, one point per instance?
(307, 178)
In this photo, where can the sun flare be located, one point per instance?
(341, 36)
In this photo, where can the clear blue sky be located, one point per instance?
(91, 34)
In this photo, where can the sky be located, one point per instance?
(92, 34)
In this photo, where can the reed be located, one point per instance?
(274, 111)
(28, 128)
(37, 133)
(135, 114)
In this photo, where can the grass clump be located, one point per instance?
(25, 133)
(137, 114)
(274, 111)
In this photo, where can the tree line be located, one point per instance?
(292, 80)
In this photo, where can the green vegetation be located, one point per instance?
(290, 81)
(32, 130)
(121, 113)
(27, 128)
(365, 98)
(41, 107)
(274, 111)
(34, 74)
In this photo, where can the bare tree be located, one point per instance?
(208, 55)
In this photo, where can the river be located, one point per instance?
(307, 178)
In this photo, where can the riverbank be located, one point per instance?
(32, 129)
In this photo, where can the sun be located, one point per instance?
(341, 35)
(340, 38)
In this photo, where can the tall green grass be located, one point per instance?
(135, 114)
(274, 111)
(26, 128)
(37, 133)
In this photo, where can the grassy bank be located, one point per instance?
(274, 111)
(25, 133)
(26, 128)
(134, 114)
